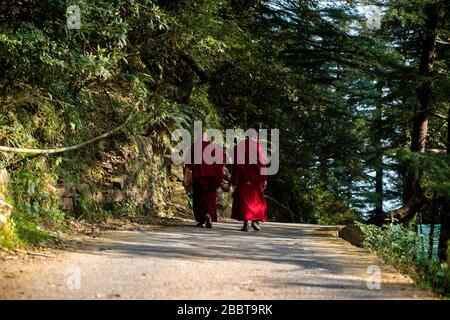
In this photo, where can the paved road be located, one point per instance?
(284, 261)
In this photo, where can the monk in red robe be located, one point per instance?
(248, 198)
(206, 179)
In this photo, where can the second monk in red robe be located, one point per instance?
(248, 198)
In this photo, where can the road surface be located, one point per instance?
(284, 261)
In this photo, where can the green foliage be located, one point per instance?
(32, 197)
(8, 236)
(327, 208)
(431, 170)
(30, 233)
(407, 251)
(36, 206)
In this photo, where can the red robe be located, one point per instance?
(249, 202)
(206, 178)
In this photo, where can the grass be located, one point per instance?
(32, 234)
(19, 234)
(8, 237)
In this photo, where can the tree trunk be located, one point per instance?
(379, 214)
(379, 188)
(448, 135)
(377, 217)
(413, 193)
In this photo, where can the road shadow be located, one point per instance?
(277, 243)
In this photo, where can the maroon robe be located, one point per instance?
(249, 202)
(206, 178)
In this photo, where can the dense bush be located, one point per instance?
(408, 252)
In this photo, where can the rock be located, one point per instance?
(4, 176)
(107, 166)
(117, 196)
(176, 172)
(5, 208)
(4, 181)
(353, 234)
(119, 182)
(50, 189)
(3, 219)
(5, 211)
(84, 187)
(66, 191)
(97, 197)
(67, 203)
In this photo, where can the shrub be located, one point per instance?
(407, 251)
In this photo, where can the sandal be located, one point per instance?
(255, 225)
(244, 228)
(208, 221)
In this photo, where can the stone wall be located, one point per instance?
(128, 177)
